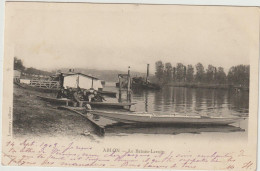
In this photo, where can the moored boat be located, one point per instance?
(65, 101)
(140, 117)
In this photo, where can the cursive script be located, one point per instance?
(32, 153)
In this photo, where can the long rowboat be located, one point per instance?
(164, 119)
(93, 104)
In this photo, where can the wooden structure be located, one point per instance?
(144, 83)
(147, 74)
(45, 84)
(44, 90)
(136, 82)
(82, 80)
(55, 89)
(99, 128)
(65, 101)
(126, 84)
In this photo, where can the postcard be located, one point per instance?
(130, 86)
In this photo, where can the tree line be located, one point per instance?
(237, 75)
(18, 65)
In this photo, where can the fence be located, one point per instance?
(44, 84)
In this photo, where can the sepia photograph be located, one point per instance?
(130, 86)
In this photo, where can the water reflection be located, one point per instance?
(191, 101)
(185, 101)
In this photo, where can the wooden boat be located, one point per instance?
(146, 86)
(55, 100)
(99, 128)
(93, 104)
(169, 129)
(138, 117)
(108, 93)
(140, 83)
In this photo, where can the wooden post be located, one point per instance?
(92, 83)
(184, 76)
(147, 73)
(78, 81)
(146, 101)
(128, 85)
(120, 88)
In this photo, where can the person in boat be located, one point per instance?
(91, 94)
(62, 93)
(86, 95)
(97, 97)
(77, 96)
(69, 93)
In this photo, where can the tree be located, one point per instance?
(210, 74)
(180, 72)
(159, 70)
(200, 73)
(239, 75)
(168, 71)
(190, 74)
(18, 64)
(221, 76)
(174, 73)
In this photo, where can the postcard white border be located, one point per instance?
(177, 2)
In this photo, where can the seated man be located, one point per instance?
(86, 95)
(62, 93)
(69, 93)
(76, 98)
(97, 97)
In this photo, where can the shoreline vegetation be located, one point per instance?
(207, 86)
(212, 77)
(180, 75)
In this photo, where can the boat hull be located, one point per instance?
(65, 101)
(166, 119)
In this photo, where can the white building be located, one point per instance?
(83, 81)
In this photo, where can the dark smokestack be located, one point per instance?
(147, 73)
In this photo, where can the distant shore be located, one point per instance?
(208, 86)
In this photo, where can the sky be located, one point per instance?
(112, 37)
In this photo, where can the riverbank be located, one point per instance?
(33, 117)
(207, 86)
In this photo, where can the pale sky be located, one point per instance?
(53, 35)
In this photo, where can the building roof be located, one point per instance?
(85, 75)
(73, 73)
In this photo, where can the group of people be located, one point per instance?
(79, 95)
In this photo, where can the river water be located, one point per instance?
(192, 101)
(186, 101)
